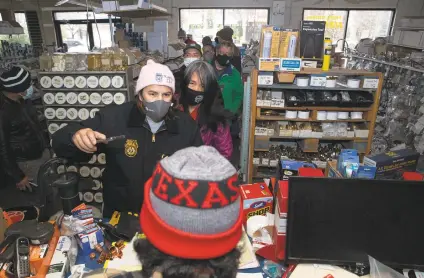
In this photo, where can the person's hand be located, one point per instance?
(86, 139)
(23, 185)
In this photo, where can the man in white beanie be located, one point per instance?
(152, 130)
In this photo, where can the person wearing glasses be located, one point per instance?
(152, 127)
(23, 147)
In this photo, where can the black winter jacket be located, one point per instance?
(21, 136)
(129, 162)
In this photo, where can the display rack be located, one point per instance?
(309, 142)
(70, 97)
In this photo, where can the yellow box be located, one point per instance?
(269, 64)
(275, 41)
(285, 41)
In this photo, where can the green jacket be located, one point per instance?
(232, 89)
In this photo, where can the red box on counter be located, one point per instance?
(412, 176)
(280, 224)
(281, 209)
(257, 200)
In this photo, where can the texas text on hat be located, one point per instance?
(192, 207)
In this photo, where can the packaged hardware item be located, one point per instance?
(312, 39)
(392, 164)
(270, 42)
(290, 168)
(289, 43)
(60, 262)
(257, 200)
(348, 163)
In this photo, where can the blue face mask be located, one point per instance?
(29, 92)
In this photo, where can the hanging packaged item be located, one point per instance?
(94, 61)
(312, 39)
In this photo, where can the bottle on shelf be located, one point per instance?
(46, 63)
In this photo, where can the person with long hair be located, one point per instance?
(201, 98)
(153, 129)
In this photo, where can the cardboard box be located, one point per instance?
(275, 40)
(289, 39)
(257, 200)
(285, 77)
(60, 263)
(90, 238)
(331, 170)
(394, 163)
(290, 168)
(265, 78)
(269, 64)
(312, 39)
(280, 219)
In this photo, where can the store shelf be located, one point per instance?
(406, 46)
(278, 118)
(357, 139)
(388, 63)
(335, 72)
(84, 90)
(64, 73)
(295, 87)
(78, 105)
(318, 108)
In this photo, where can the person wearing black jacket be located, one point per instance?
(152, 130)
(22, 143)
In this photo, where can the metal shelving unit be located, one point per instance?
(107, 94)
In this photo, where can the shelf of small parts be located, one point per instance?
(283, 119)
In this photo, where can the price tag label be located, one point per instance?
(318, 81)
(265, 161)
(259, 102)
(273, 162)
(266, 103)
(261, 131)
(256, 161)
(277, 103)
(292, 65)
(371, 83)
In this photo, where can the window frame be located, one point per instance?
(268, 9)
(57, 23)
(348, 10)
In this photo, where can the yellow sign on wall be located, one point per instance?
(332, 21)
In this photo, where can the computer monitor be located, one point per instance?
(342, 221)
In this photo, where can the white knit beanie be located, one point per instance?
(155, 74)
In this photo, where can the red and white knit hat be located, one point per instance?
(192, 207)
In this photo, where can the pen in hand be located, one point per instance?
(110, 139)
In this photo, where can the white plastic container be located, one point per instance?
(302, 81)
(342, 115)
(291, 114)
(322, 115)
(353, 83)
(303, 115)
(331, 83)
(356, 115)
(266, 51)
(332, 116)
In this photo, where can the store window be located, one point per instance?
(23, 38)
(352, 25)
(246, 23)
(83, 31)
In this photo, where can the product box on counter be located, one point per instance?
(364, 172)
(290, 168)
(59, 264)
(280, 219)
(392, 163)
(90, 238)
(257, 200)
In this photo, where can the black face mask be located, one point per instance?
(223, 60)
(194, 97)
